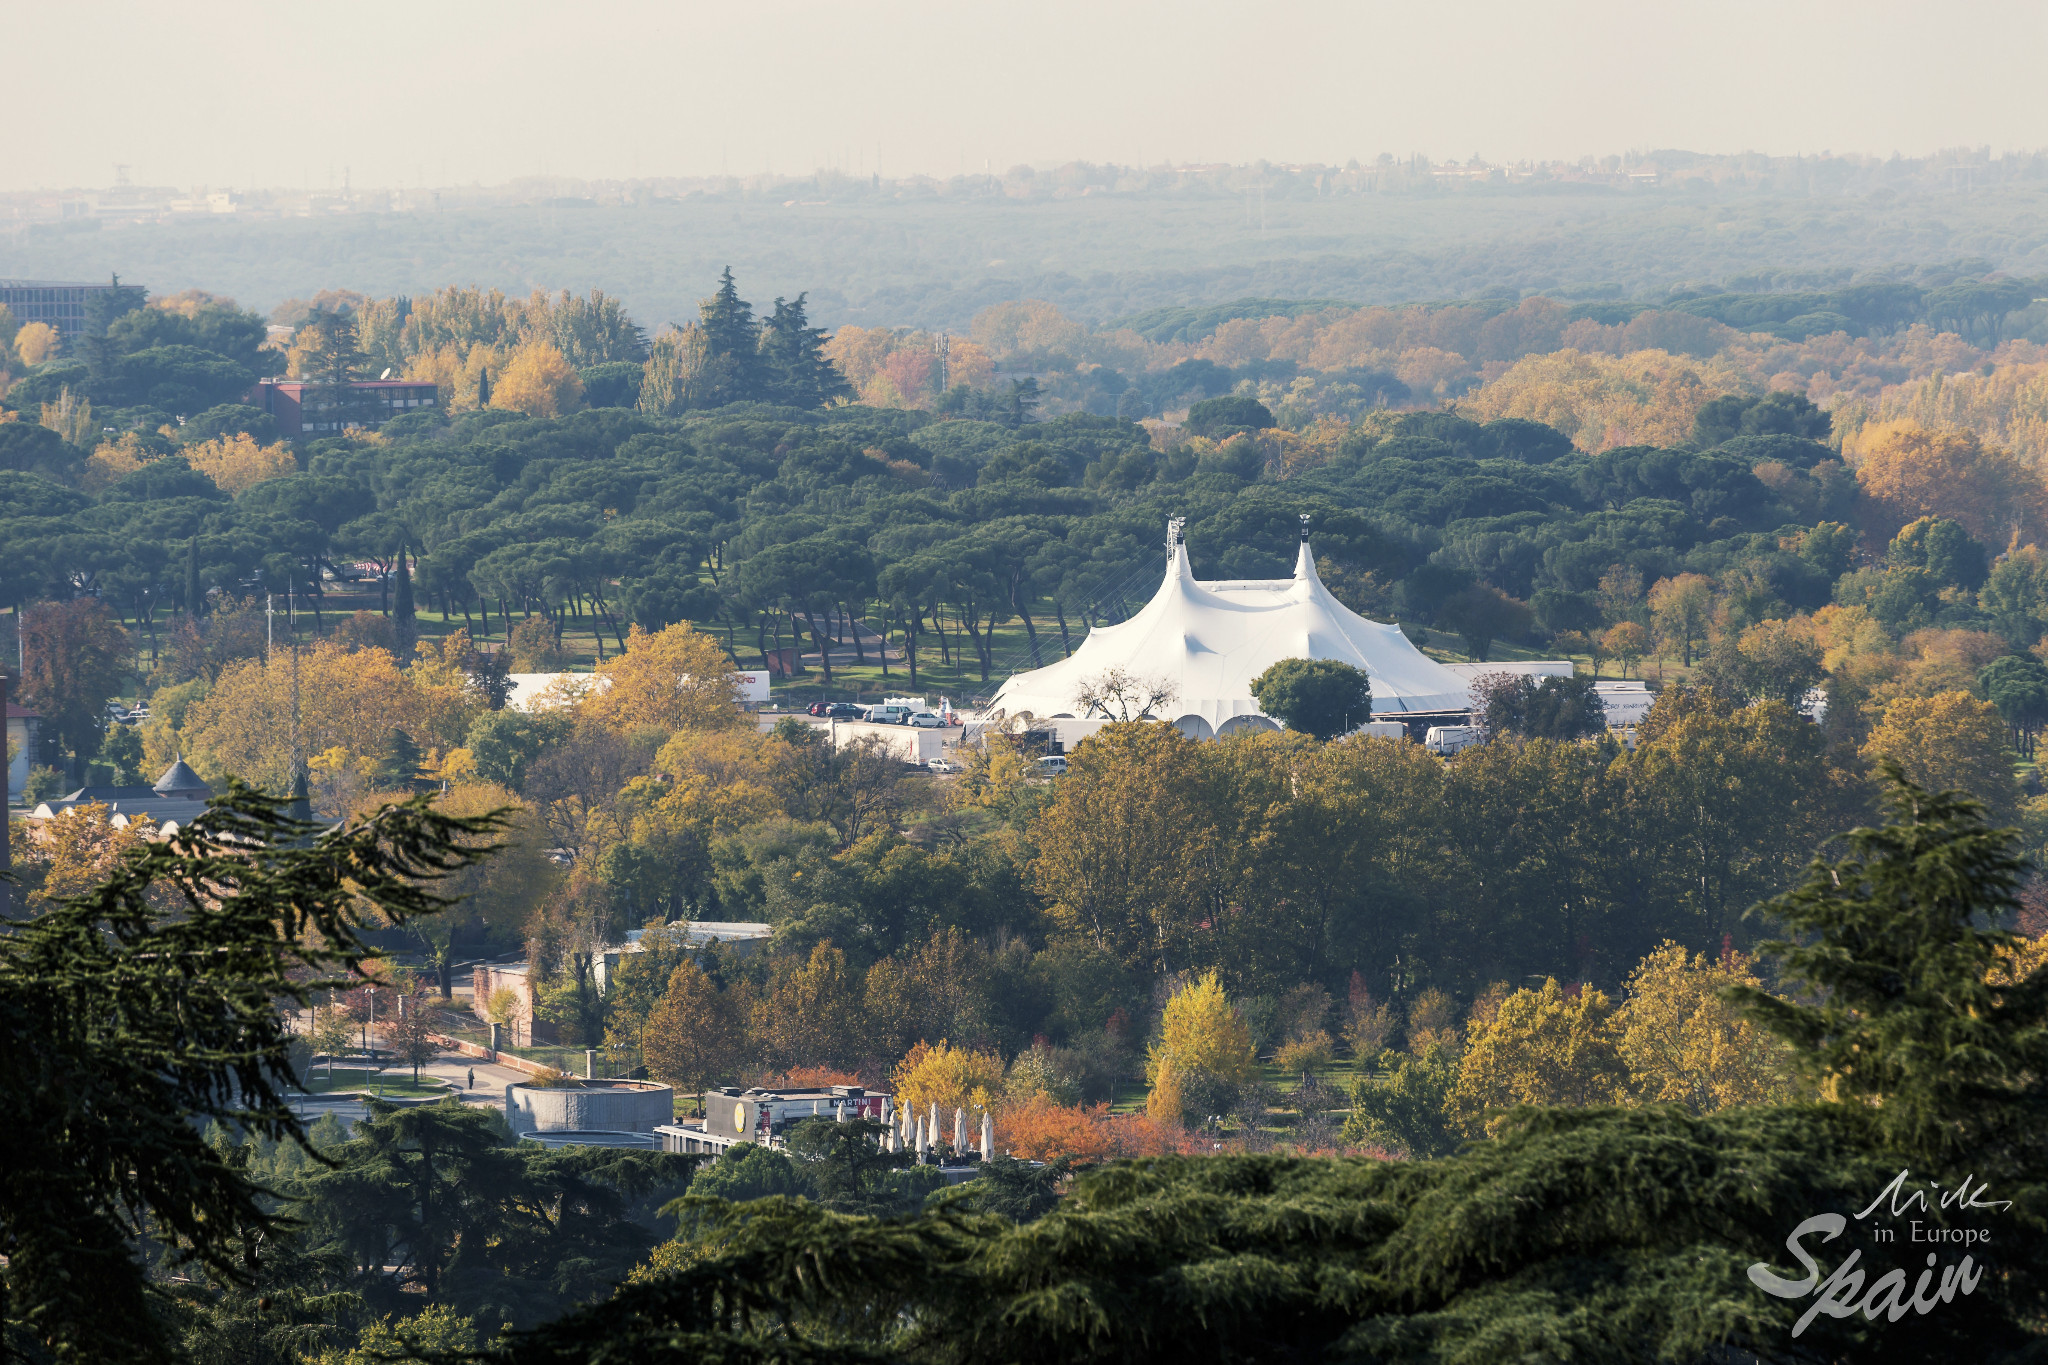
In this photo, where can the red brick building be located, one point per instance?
(303, 408)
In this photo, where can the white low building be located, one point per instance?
(536, 691)
(1207, 641)
(738, 937)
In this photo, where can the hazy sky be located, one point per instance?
(448, 91)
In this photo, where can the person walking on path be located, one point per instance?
(472, 1078)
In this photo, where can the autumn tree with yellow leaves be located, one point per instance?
(1647, 398)
(538, 381)
(1684, 1043)
(237, 463)
(36, 342)
(350, 700)
(72, 853)
(1950, 741)
(1683, 608)
(951, 1077)
(676, 678)
(1544, 1046)
(1203, 1055)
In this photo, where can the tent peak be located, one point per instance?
(1304, 558)
(1177, 566)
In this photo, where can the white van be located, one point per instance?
(1445, 740)
(1053, 765)
(889, 713)
(1626, 703)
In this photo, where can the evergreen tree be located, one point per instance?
(1914, 1010)
(154, 1000)
(403, 616)
(331, 356)
(1321, 697)
(799, 373)
(732, 344)
(438, 1204)
(195, 598)
(103, 308)
(1019, 404)
(399, 768)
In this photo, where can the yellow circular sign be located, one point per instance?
(739, 1117)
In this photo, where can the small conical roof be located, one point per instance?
(179, 779)
(300, 807)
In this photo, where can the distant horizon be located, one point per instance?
(1635, 157)
(231, 92)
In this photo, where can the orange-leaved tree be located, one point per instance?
(1908, 471)
(694, 1036)
(1040, 1129)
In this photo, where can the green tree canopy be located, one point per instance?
(1320, 697)
(152, 1000)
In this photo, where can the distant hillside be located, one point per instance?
(1174, 256)
(1163, 326)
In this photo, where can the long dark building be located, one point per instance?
(60, 303)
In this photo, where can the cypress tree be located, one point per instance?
(404, 621)
(195, 601)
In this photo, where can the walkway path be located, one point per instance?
(491, 1080)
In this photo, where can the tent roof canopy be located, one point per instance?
(1208, 641)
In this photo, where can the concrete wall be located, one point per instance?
(589, 1106)
(523, 1029)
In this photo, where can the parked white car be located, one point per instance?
(928, 720)
(1053, 765)
(942, 765)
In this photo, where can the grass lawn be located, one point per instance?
(1335, 1080)
(396, 1082)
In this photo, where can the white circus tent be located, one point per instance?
(1209, 640)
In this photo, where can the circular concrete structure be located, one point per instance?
(643, 1142)
(588, 1106)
